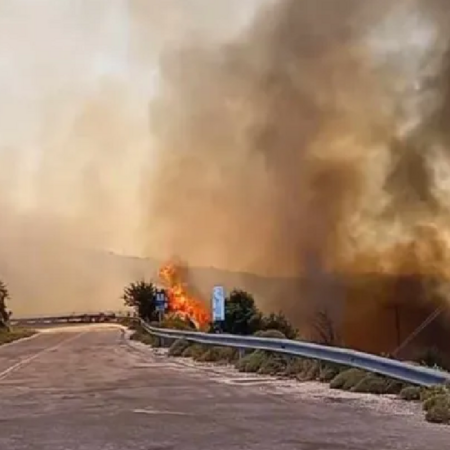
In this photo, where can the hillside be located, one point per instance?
(44, 282)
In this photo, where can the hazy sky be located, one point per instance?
(58, 58)
(65, 47)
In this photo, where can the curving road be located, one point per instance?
(90, 389)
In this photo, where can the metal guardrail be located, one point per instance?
(407, 372)
(68, 318)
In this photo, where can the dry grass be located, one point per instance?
(14, 334)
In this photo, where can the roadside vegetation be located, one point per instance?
(242, 317)
(9, 334)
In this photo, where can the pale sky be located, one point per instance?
(61, 47)
(58, 57)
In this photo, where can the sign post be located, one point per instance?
(160, 303)
(218, 306)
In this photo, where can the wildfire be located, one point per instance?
(180, 301)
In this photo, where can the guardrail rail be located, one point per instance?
(399, 370)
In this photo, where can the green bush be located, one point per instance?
(371, 384)
(432, 391)
(141, 296)
(273, 334)
(193, 351)
(211, 354)
(434, 400)
(178, 347)
(228, 354)
(252, 362)
(328, 371)
(347, 379)
(311, 370)
(273, 365)
(141, 336)
(438, 409)
(279, 322)
(394, 387)
(294, 367)
(241, 314)
(411, 393)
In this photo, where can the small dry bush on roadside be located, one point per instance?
(432, 391)
(211, 354)
(328, 371)
(141, 336)
(273, 334)
(178, 347)
(228, 354)
(194, 351)
(274, 364)
(437, 409)
(294, 367)
(347, 379)
(394, 387)
(434, 400)
(252, 362)
(311, 370)
(371, 384)
(410, 393)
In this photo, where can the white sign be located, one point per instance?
(218, 304)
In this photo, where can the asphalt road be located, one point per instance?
(90, 389)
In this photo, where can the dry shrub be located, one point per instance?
(252, 362)
(178, 347)
(410, 393)
(347, 379)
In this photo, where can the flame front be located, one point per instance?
(180, 302)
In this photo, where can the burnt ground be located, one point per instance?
(91, 389)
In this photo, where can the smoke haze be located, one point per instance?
(76, 79)
(308, 140)
(314, 144)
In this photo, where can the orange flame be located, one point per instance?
(180, 301)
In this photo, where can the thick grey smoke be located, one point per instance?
(311, 142)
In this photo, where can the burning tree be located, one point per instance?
(181, 302)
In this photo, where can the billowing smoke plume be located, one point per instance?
(312, 145)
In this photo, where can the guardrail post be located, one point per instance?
(241, 353)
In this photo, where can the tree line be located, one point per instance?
(242, 316)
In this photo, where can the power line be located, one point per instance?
(419, 329)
